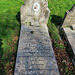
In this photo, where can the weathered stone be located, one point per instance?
(70, 17)
(70, 38)
(73, 26)
(35, 54)
(35, 17)
(69, 30)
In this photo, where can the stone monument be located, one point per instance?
(69, 17)
(35, 54)
(35, 11)
(69, 30)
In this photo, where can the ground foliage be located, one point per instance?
(10, 27)
(9, 33)
(58, 9)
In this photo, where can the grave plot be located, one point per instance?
(35, 54)
(69, 30)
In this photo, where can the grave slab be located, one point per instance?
(35, 55)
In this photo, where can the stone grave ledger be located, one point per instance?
(35, 54)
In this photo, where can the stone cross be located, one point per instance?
(35, 11)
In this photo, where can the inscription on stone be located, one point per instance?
(35, 54)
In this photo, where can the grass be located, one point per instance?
(9, 31)
(10, 27)
(58, 9)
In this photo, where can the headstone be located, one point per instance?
(35, 54)
(69, 32)
(70, 17)
(35, 11)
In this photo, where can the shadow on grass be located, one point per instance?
(8, 27)
(8, 23)
(66, 43)
(57, 20)
(18, 17)
(2, 71)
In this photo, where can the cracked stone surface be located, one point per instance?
(35, 54)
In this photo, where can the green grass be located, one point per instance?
(10, 26)
(59, 46)
(58, 9)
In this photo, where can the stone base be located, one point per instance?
(35, 54)
(70, 38)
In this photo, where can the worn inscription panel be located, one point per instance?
(35, 53)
